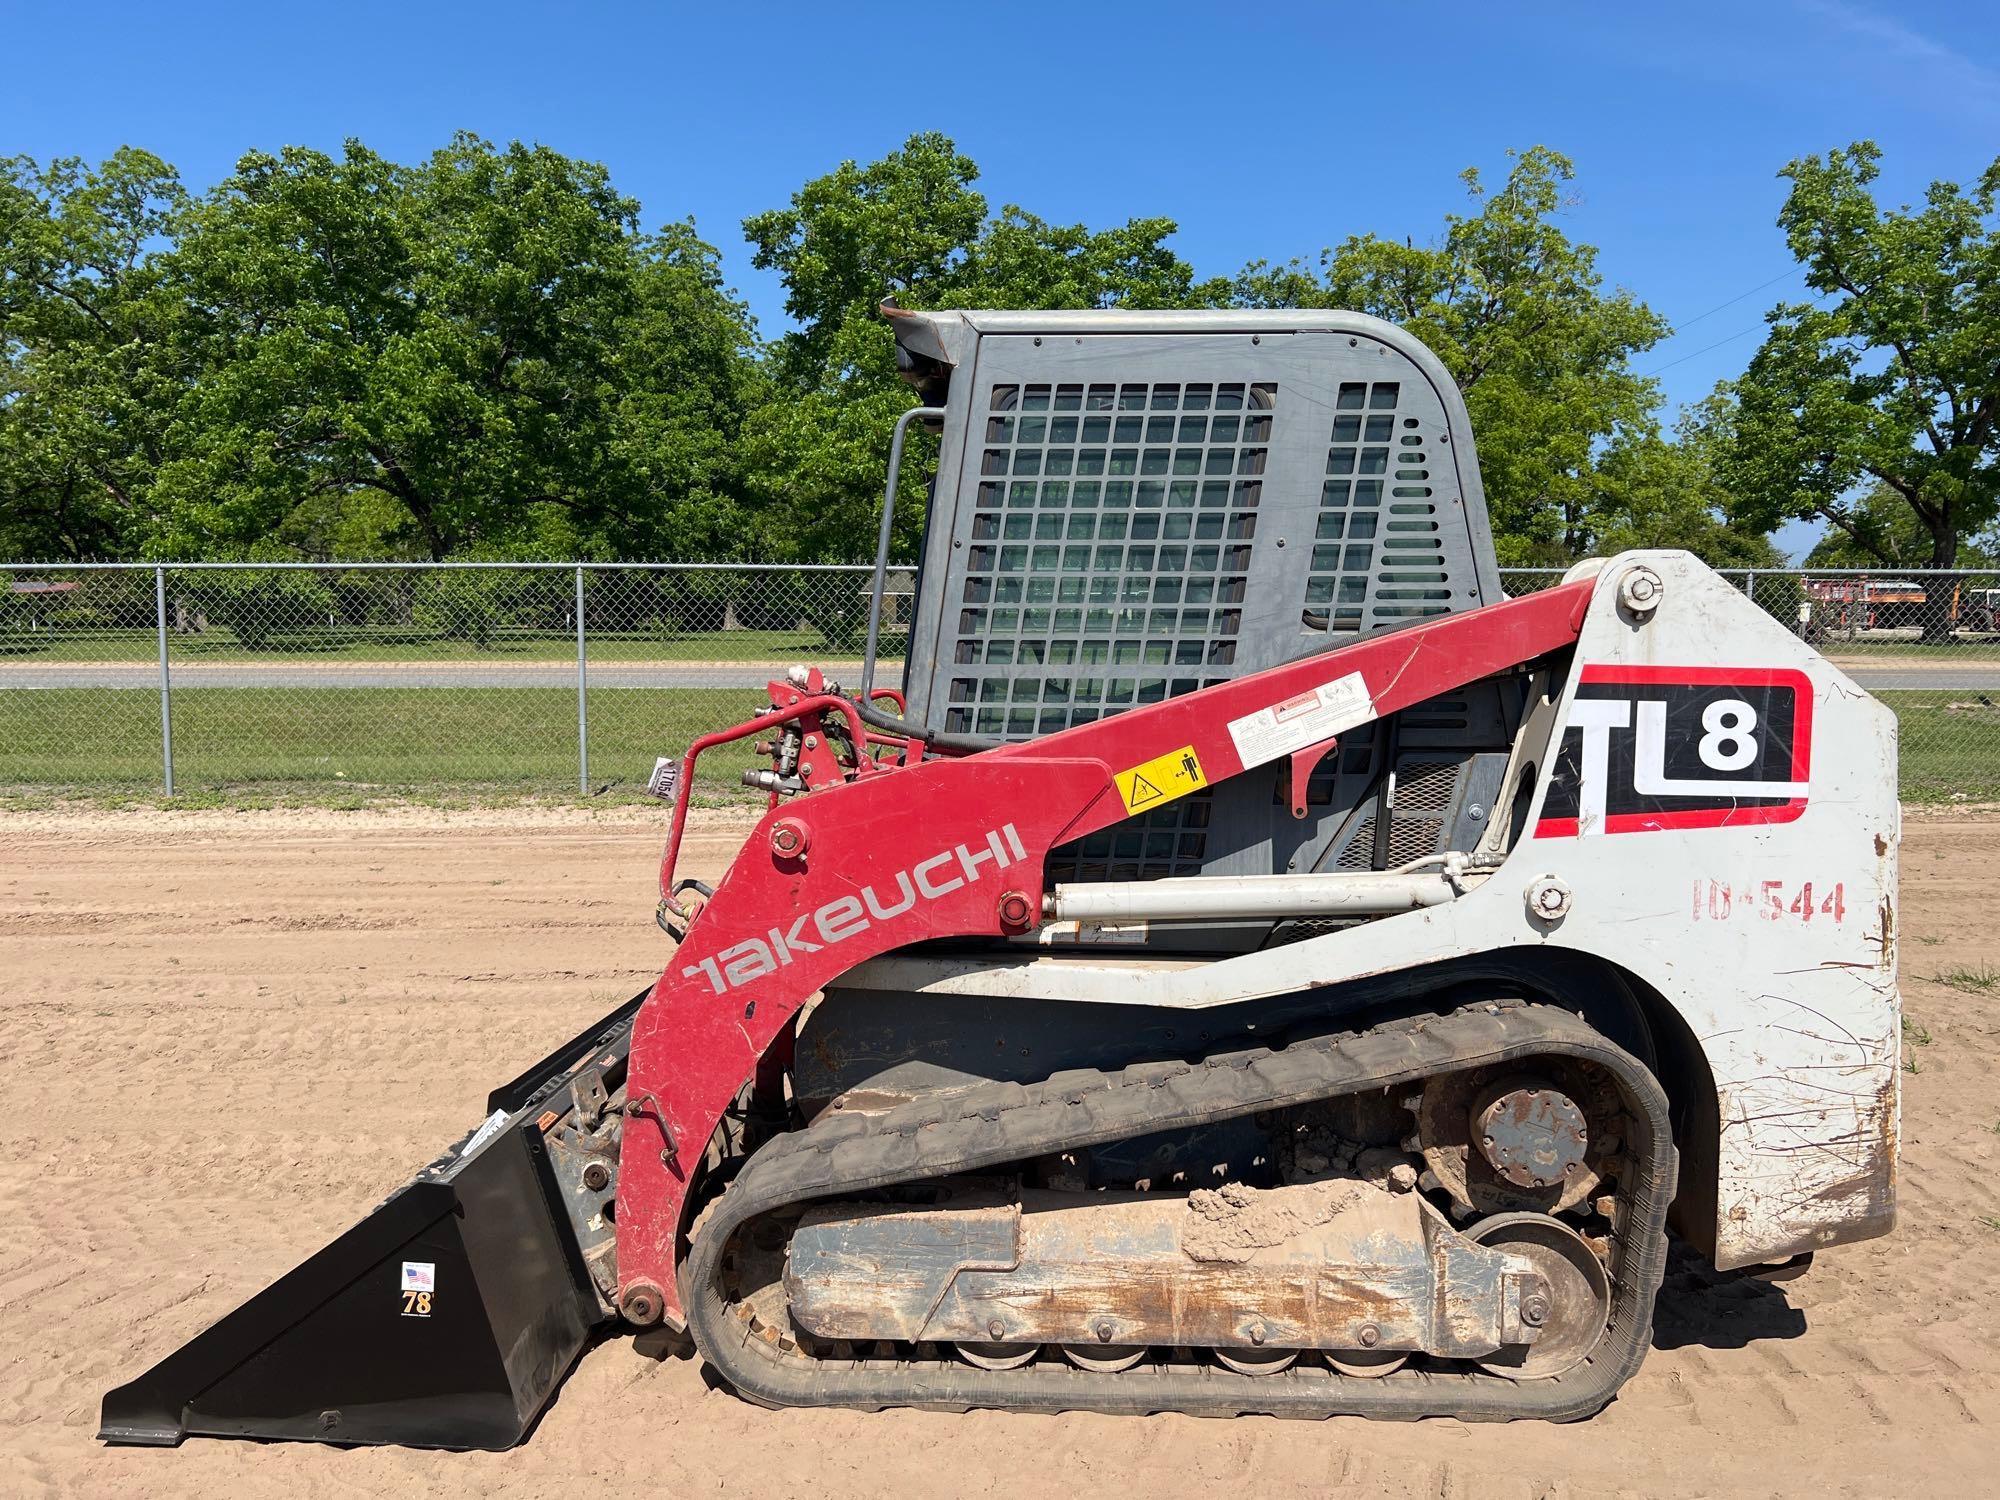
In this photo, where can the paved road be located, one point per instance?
(1984, 679)
(1872, 672)
(1937, 674)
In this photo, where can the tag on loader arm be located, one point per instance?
(665, 782)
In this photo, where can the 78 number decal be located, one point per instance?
(418, 1287)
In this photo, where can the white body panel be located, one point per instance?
(1791, 996)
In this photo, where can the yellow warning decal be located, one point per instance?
(1161, 779)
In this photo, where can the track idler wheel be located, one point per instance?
(1579, 1297)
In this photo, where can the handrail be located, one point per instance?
(879, 582)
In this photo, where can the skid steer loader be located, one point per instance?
(1250, 964)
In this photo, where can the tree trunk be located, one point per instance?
(1941, 588)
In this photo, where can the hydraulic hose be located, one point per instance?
(934, 739)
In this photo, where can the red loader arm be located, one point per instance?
(958, 848)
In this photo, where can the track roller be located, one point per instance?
(1579, 1302)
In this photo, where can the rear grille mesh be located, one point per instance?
(1110, 549)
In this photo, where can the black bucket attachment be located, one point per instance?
(447, 1317)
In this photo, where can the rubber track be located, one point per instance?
(998, 1123)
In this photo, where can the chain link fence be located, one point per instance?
(327, 683)
(398, 679)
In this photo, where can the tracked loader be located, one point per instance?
(1248, 963)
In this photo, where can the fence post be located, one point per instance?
(1750, 584)
(166, 692)
(582, 698)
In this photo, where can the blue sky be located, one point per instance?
(1266, 131)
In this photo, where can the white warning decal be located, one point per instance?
(495, 1122)
(1303, 719)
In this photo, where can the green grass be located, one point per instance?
(1979, 981)
(359, 744)
(407, 644)
(348, 745)
(1915, 1034)
(1947, 754)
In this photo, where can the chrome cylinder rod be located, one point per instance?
(1198, 898)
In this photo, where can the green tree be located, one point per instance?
(344, 357)
(1646, 491)
(687, 356)
(260, 605)
(858, 234)
(83, 387)
(480, 350)
(1882, 531)
(1518, 313)
(911, 225)
(1873, 407)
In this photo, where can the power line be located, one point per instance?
(1730, 339)
(1680, 328)
(1697, 354)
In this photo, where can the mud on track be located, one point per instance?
(226, 1036)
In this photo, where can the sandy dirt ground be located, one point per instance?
(227, 1036)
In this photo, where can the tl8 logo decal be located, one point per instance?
(1680, 747)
